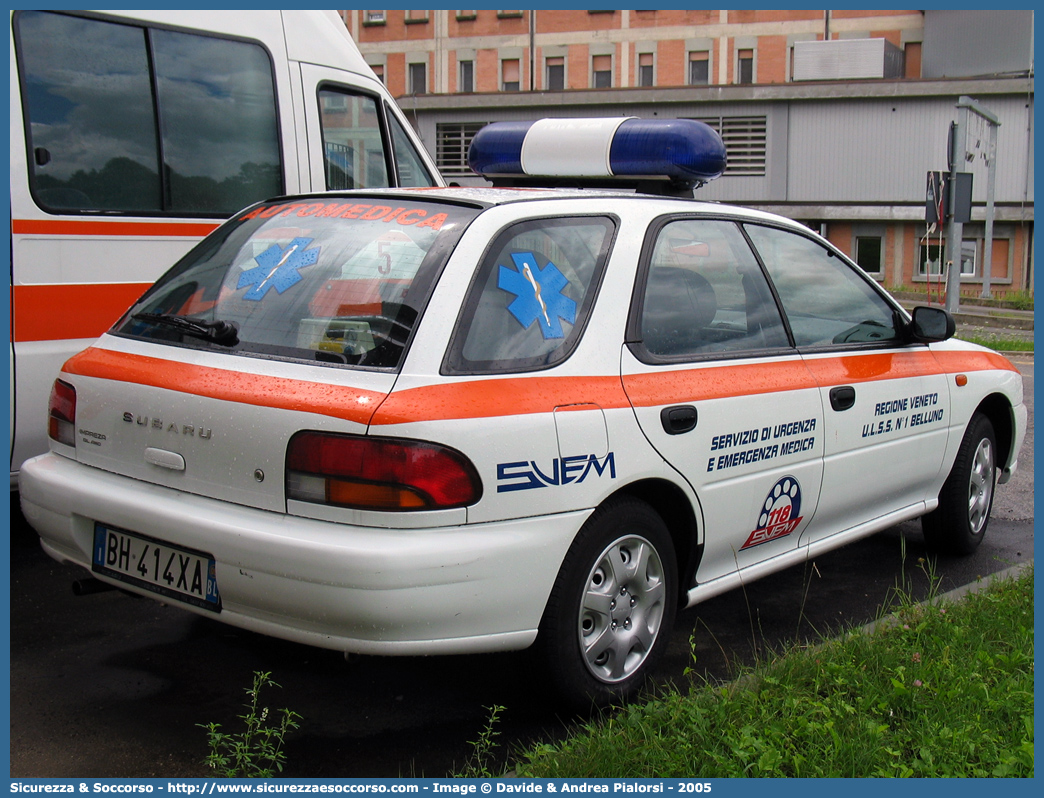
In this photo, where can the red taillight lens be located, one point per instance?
(61, 413)
(378, 473)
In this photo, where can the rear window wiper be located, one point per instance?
(223, 333)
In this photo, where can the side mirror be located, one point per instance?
(931, 324)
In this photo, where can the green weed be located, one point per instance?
(480, 763)
(257, 751)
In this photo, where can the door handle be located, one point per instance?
(678, 419)
(842, 398)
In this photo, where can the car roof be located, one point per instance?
(488, 197)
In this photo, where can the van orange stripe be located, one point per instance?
(96, 227)
(351, 404)
(58, 312)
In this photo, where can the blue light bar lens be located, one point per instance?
(672, 149)
(682, 149)
(496, 148)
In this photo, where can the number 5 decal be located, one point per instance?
(383, 268)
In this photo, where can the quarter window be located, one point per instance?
(93, 91)
(531, 297)
(705, 293)
(407, 161)
(825, 299)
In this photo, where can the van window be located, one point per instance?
(407, 161)
(353, 150)
(94, 144)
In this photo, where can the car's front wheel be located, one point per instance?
(612, 607)
(959, 523)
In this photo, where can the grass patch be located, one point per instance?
(942, 689)
(1000, 343)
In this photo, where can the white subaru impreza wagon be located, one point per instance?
(475, 419)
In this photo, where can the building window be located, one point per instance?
(373, 18)
(745, 140)
(467, 76)
(509, 72)
(452, 141)
(745, 66)
(645, 69)
(932, 259)
(418, 78)
(699, 68)
(969, 258)
(869, 253)
(509, 14)
(555, 73)
(465, 16)
(414, 16)
(378, 70)
(602, 72)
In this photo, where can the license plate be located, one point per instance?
(172, 571)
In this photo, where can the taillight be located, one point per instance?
(61, 413)
(378, 473)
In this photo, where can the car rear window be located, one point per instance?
(333, 280)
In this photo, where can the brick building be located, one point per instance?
(830, 117)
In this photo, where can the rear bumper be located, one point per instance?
(463, 589)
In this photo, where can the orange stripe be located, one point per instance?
(95, 227)
(514, 395)
(58, 312)
(492, 398)
(845, 370)
(722, 382)
(351, 404)
(952, 362)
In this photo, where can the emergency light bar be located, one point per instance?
(676, 154)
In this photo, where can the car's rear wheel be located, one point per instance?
(612, 607)
(959, 523)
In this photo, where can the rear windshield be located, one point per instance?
(336, 280)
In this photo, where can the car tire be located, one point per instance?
(612, 607)
(959, 523)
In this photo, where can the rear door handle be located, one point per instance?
(678, 419)
(842, 397)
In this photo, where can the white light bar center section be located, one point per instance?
(570, 147)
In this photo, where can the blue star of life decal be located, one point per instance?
(538, 295)
(278, 268)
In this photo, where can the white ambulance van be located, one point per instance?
(134, 134)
